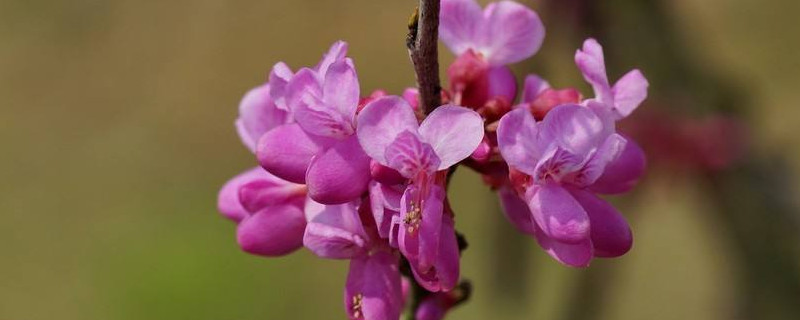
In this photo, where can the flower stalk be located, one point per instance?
(422, 43)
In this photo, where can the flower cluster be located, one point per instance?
(364, 177)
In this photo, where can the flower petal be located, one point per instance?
(459, 21)
(380, 122)
(516, 210)
(286, 151)
(575, 128)
(556, 164)
(270, 190)
(257, 115)
(313, 112)
(624, 172)
(340, 174)
(228, 198)
(303, 88)
(610, 150)
(431, 227)
(410, 156)
(558, 214)
(386, 175)
(341, 90)
(573, 255)
(591, 62)
(337, 52)
(502, 83)
(279, 77)
(517, 138)
(534, 85)
(444, 275)
(385, 203)
(454, 133)
(629, 92)
(512, 33)
(334, 231)
(373, 289)
(272, 231)
(611, 234)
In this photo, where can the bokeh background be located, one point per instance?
(116, 128)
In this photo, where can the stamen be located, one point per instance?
(357, 300)
(413, 217)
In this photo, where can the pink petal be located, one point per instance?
(517, 138)
(572, 127)
(431, 308)
(592, 64)
(511, 33)
(629, 92)
(286, 151)
(334, 231)
(373, 289)
(380, 122)
(556, 165)
(534, 85)
(341, 90)
(516, 210)
(228, 199)
(385, 204)
(502, 83)
(279, 77)
(273, 231)
(573, 255)
(459, 21)
(270, 191)
(611, 235)
(454, 133)
(410, 156)
(337, 52)
(340, 174)
(411, 95)
(257, 115)
(313, 112)
(610, 150)
(558, 214)
(431, 226)
(444, 275)
(386, 175)
(303, 88)
(622, 174)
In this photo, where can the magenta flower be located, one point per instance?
(267, 209)
(389, 133)
(320, 149)
(621, 99)
(564, 155)
(485, 41)
(268, 212)
(373, 289)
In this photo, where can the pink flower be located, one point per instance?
(374, 289)
(390, 135)
(485, 41)
(268, 212)
(564, 155)
(626, 94)
(267, 209)
(320, 149)
(505, 32)
(346, 231)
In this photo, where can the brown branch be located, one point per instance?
(422, 43)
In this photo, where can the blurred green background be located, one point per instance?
(116, 127)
